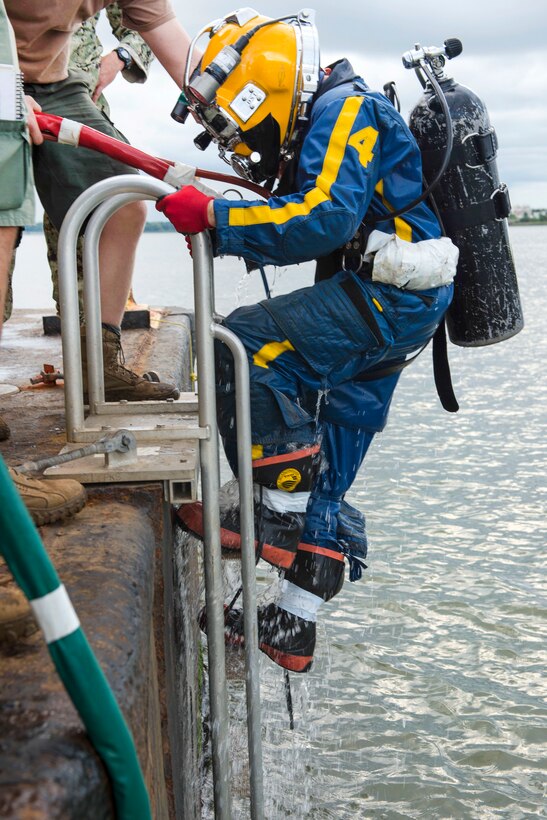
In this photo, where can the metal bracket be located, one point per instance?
(48, 375)
(118, 448)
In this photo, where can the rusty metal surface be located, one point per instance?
(105, 557)
(183, 691)
(36, 413)
(110, 558)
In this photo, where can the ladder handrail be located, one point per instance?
(106, 197)
(145, 188)
(210, 487)
(92, 299)
(248, 566)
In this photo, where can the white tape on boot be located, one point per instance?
(280, 501)
(299, 601)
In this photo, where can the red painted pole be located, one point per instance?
(50, 125)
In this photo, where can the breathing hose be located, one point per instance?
(74, 660)
(447, 151)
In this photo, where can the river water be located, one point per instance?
(427, 695)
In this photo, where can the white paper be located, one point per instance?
(11, 93)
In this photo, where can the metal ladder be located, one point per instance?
(176, 427)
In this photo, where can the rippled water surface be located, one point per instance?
(427, 696)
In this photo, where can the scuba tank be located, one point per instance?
(468, 199)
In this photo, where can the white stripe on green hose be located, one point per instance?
(55, 614)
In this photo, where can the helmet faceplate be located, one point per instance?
(261, 106)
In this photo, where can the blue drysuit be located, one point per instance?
(313, 352)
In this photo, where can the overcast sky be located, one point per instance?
(503, 61)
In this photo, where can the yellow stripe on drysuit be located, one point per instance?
(257, 451)
(402, 228)
(270, 352)
(263, 214)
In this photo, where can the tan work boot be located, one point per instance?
(16, 618)
(120, 382)
(49, 501)
(4, 430)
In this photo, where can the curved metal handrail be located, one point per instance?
(105, 198)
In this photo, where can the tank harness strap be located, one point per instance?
(475, 150)
(390, 90)
(382, 372)
(441, 367)
(358, 300)
(354, 250)
(498, 207)
(441, 371)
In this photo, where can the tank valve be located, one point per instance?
(452, 48)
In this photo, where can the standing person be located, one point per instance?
(18, 129)
(132, 58)
(324, 360)
(47, 501)
(43, 33)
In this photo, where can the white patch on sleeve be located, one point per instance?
(429, 263)
(69, 132)
(55, 614)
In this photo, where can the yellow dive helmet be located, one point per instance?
(253, 88)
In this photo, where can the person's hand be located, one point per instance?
(36, 135)
(189, 210)
(111, 65)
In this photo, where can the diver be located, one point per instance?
(324, 360)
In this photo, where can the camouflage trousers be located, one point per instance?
(8, 304)
(51, 235)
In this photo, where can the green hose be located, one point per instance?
(74, 660)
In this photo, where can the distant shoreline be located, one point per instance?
(166, 227)
(150, 227)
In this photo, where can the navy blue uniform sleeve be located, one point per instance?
(337, 173)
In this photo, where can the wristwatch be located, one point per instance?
(125, 57)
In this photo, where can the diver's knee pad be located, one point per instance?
(292, 472)
(319, 570)
(282, 489)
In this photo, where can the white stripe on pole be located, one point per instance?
(69, 132)
(179, 175)
(55, 614)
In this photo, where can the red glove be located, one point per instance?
(186, 209)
